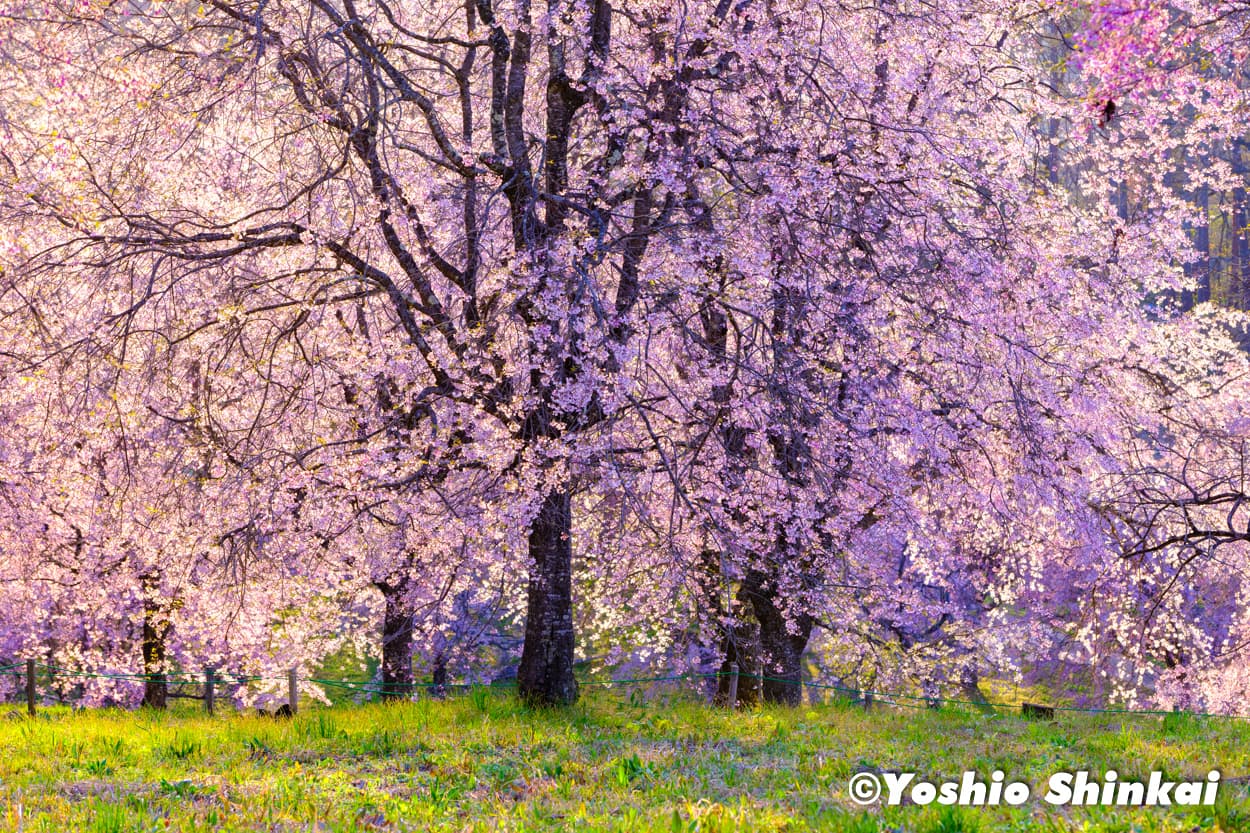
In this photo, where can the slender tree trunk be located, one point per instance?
(155, 686)
(546, 672)
(742, 646)
(155, 631)
(439, 689)
(397, 678)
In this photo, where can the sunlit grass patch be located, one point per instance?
(488, 762)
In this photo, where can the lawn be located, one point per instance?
(485, 762)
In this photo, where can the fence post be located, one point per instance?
(30, 687)
(733, 685)
(292, 690)
(208, 689)
(867, 700)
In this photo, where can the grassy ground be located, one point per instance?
(485, 762)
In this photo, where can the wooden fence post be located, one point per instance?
(733, 685)
(30, 687)
(208, 690)
(292, 690)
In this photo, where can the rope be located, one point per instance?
(172, 678)
(885, 697)
(640, 680)
(57, 671)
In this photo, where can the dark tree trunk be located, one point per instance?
(155, 686)
(740, 643)
(396, 639)
(546, 672)
(781, 648)
(155, 631)
(970, 689)
(439, 688)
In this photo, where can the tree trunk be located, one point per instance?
(782, 642)
(155, 630)
(396, 640)
(970, 688)
(439, 689)
(742, 645)
(546, 672)
(155, 686)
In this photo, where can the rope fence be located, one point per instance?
(211, 678)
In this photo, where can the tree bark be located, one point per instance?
(397, 678)
(970, 689)
(741, 645)
(156, 685)
(546, 673)
(155, 630)
(439, 688)
(782, 642)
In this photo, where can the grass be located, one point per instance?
(486, 762)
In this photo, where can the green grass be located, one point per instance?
(487, 762)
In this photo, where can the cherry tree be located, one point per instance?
(892, 342)
(741, 319)
(486, 182)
